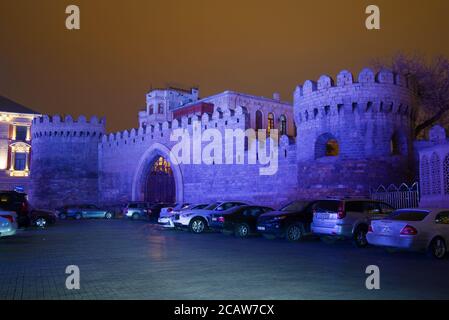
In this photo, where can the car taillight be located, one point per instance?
(10, 218)
(24, 207)
(370, 228)
(341, 211)
(220, 219)
(409, 231)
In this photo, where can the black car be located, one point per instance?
(292, 222)
(17, 202)
(243, 221)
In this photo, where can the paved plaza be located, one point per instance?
(121, 259)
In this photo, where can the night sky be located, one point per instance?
(255, 46)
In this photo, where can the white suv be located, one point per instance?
(199, 220)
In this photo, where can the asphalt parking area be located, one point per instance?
(121, 259)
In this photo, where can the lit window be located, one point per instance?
(332, 148)
(326, 145)
(270, 123)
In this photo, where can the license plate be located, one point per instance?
(386, 230)
(322, 216)
(214, 219)
(261, 228)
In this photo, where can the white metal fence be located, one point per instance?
(404, 196)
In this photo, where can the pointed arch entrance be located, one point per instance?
(157, 177)
(160, 186)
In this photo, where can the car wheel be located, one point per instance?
(437, 248)
(242, 230)
(108, 215)
(78, 216)
(294, 232)
(269, 236)
(40, 222)
(62, 216)
(197, 225)
(360, 237)
(135, 216)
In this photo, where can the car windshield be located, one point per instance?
(295, 206)
(408, 215)
(212, 206)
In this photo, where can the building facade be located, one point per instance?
(338, 138)
(15, 145)
(434, 169)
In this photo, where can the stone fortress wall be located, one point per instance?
(369, 121)
(125, 159)
(65, 160)
(350, 136)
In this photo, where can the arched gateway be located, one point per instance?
(157, 178)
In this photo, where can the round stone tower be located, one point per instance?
(353, 135)
(64, 160)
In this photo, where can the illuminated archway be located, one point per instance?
(149, 164)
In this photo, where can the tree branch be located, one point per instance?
(427, 123)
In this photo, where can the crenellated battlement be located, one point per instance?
(57, 126)
(384, 92)
(229, 119)
(366, 77)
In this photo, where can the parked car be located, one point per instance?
(242, 222)
(166, 218)
(345, 218)
(137, 210)
(17, 202)
(85, 211)
(176, 207)
(197, 221)
(293, 221)
(156, 209)
(8, 223)
(42, 218)
(413, 229)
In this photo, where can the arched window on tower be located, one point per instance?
(150, 109)
(259, 120)
(394, 145)
(326, 145)
(270, 123)
(160, 108)
(283, 125)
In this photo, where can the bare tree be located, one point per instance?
(431, 82)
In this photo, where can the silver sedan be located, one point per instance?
(7, 227)
(413, 229)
